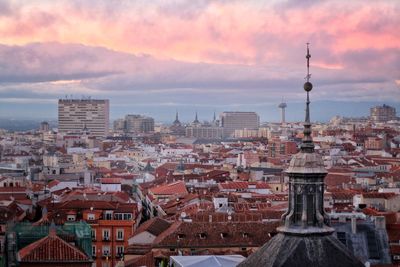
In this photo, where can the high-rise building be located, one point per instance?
(44, 126)
(139, 124)
(305, 239)
(232, 121)
(204, 132)
(119, 125)
(75, 115)
(383, 113)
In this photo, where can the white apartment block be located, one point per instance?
(232, 121)
(76, 114)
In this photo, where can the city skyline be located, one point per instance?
(133, 54)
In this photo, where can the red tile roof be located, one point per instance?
(53, 183)
(379, 195)
(248, 234)
(51, 249)
(244, 185)
(155, 226)
(170, 189)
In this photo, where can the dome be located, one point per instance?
(306, 163)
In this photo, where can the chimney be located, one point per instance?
(353, 225)
(380, 223)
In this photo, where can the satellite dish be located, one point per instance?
(183, 215)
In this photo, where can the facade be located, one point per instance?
(119, 125)
(111, 223)
(204, 132)
(383, 113)
(139, 124)
(232, 121)
(44, 126)
(78, 115)
(374, 143)
(279, 148)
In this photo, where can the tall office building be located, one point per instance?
(204, 132)
(232, 121)
(75, 115)
(383, 113)
(139, 124)
(119, 125)
(44, 126)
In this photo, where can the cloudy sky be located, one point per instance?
(155, 57)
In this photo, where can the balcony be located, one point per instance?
(106, 239)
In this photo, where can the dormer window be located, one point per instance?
(224, 235)
(181, 236)
(90, 217)
(71, 218)
(245, 235)
(202, 235)
(108, 215)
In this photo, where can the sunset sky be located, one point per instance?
(155, 57)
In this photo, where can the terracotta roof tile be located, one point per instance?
(244, 185)
(51, 249)
(170, 189)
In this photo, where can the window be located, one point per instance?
(106, 234)
(94, 251)
(120, 234)
(70, 218)
(106, 250)
(108, 215)
(127, 216)
(93, 234)
(202, 235)
(90, 217)
(120, 251)
(181, 236)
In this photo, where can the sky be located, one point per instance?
(156, 57)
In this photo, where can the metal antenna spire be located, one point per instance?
(308, 145)
(308, 63)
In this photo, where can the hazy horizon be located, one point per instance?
(158, 57)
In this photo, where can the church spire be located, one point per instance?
(306, 180)
(307, 145)
(176, 121)
(305, 239)
(196, 120)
